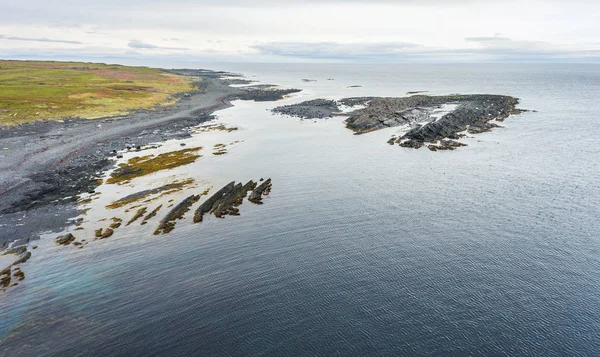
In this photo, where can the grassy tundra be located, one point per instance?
(38, 90)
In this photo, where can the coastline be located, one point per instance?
(49, 163)
(62, 169)
(424, 237)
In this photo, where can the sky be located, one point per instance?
(304, 31)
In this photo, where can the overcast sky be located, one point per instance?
(307, 30)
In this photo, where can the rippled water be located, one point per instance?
(362, 248)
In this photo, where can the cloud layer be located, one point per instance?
(306, 30)
(137, 44)
(29, 39)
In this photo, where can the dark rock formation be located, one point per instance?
(312, 109)
(5, 278)
(227, 200)
(262, 189)
(140, 212)
(428, 118)
(320, 108)
(104, 233)
(19, 274)
(143, 194)
(16, 250)
(354, 101)
(65, 239)
(24, 258)
(207, 205)
(167, 224)
(229, 203)
(13, 270)
(471, 112)
(261, 94)
(445, 145)
(151, 214)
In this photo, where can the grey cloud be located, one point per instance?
(263, 3)
(487, 39)
(332, 50)
(140, 44)
(508, 51)
(16, 38)
(498, 44)
(136, 44)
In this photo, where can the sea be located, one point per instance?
(362, 248)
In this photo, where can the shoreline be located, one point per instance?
(49, 163)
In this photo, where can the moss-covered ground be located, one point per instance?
(38, 90)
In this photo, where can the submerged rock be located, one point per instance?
(24, 258)
(16, 251)
(262, 190)
(65, 239)
(171, 187)
(167, 224)
(13, 270)
(140, 212)
(445, 145)
(104, 233)
(151, 214)
(19, 274)
(228, 204)
(227, 200)
(5, 278)
(207, 205)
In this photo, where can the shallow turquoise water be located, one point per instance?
(362, 248)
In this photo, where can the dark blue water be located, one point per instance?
(362, 249)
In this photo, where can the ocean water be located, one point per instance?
(362, 248)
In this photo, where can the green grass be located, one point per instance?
(38, 90)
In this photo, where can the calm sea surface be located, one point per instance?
(362, 248)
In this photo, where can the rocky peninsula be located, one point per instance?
(435, 121)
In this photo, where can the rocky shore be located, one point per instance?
(48, 164)
(312, 109)
(12, 274)
(432, 121)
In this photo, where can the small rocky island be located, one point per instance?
(434, 121)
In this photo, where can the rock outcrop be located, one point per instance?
(207, 205)
(167, 224)
(262, 190)
(65, 239)
(227, 200)
(139, 214)
(428, 119)
(312, 109)
(262, 94)
(10, 275)
(104, 233)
